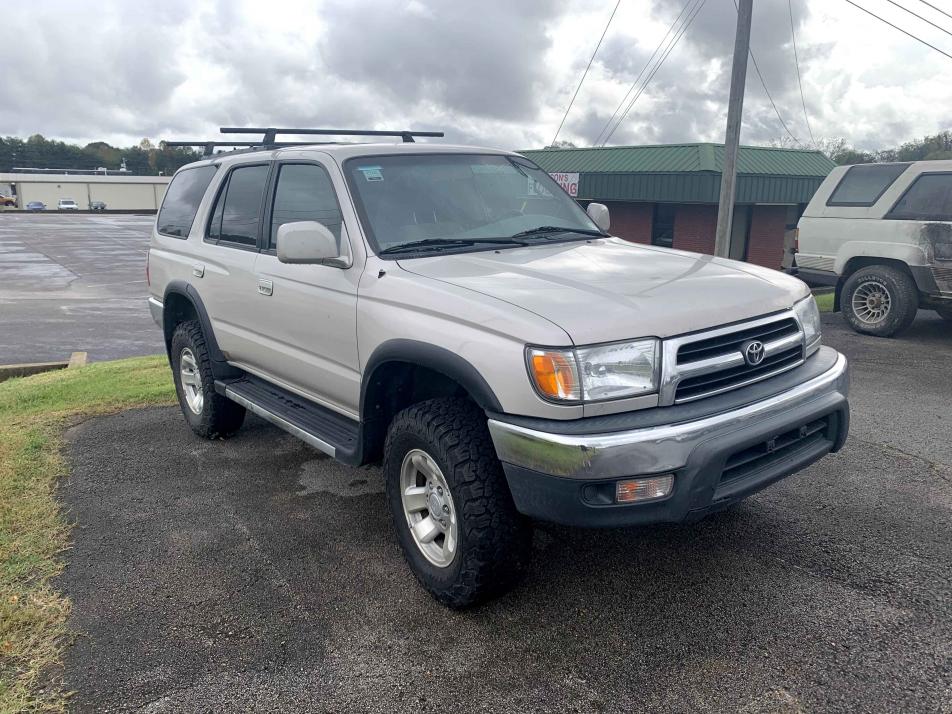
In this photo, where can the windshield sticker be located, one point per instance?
(371, 173)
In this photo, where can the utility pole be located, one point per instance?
(735, 110)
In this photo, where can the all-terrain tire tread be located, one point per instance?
(494, 537)
(904, 293)
(220, 416)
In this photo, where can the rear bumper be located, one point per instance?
(716, 460)
(155, 307)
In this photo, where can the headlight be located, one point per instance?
(613, 371)
(809, 316)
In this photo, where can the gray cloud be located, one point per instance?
(497, 72)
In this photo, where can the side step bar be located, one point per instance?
(325, 430)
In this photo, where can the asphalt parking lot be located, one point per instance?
(255, 574)
(74, 283)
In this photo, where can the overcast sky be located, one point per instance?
(492, 72)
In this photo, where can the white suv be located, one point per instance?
(452, 312)
(882, 235)
(67, 204)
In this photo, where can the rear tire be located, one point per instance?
(467, 543)
(209, 414)
(880, 300)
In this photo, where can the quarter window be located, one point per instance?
(237, 213)
(928, 199)
(182, 199)
(305, 193)
(863, 184)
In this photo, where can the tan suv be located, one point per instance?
(452, 312)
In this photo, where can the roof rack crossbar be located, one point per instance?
(270, 133)
(210, 146)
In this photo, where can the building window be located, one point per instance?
(662, 225)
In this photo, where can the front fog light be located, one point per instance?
(644, 489)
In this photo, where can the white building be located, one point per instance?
(128, 193)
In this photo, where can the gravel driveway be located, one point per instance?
(255, 574)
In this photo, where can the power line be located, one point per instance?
(895, 27)
(585, 73)
(937, 9)
(654, 71)
(929, 22)
(641, 73)
(767, 92)
(796, 59)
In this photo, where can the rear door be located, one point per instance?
(224, 276)
(310, 334)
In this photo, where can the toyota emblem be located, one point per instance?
(754, 352)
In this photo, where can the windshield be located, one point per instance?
(453, 201)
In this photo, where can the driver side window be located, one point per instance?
(304, 192)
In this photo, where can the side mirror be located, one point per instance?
(598, 212)
(309, 242)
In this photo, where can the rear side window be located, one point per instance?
(928, 199)
(237, 213)
(182, 199)
(305, 193)
(862, 185)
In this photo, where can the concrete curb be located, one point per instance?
(9, 371)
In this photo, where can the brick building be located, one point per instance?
(667, 195)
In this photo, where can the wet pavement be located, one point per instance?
(74, 283)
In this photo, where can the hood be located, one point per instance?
(609, 289)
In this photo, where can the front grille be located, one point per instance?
(763, 455)
(714, 382)
(711, 365)
(731, 342)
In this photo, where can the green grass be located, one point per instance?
(33, 531)
(825, 302)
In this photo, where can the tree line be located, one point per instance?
(145, 159)
(928, 148)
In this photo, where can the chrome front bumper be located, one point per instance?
(658, 449)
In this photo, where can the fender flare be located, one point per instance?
(439, 359)
(220, 366)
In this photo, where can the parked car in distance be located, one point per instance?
(36, 206)
(8, 201)
(452, 312)
(882, 235)
(67, 204)
(97, 205)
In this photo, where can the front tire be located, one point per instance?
(209, 414)
(880, 300)
(450, 503)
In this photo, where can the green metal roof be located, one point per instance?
(682, 158)
(679, 173)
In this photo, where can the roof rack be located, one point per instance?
(269, 137)
(209, 146)
(270, 133)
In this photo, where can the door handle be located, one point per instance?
(198, 270)
(265, 287)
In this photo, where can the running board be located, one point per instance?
(325, 430)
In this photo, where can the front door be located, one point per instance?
(310, 325)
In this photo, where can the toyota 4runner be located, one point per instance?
(452, 312)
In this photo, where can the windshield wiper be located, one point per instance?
(445, 242)
(558, 229)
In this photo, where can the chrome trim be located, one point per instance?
(654, 449)
(281, 422)
(672, 373)
(156, 307)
